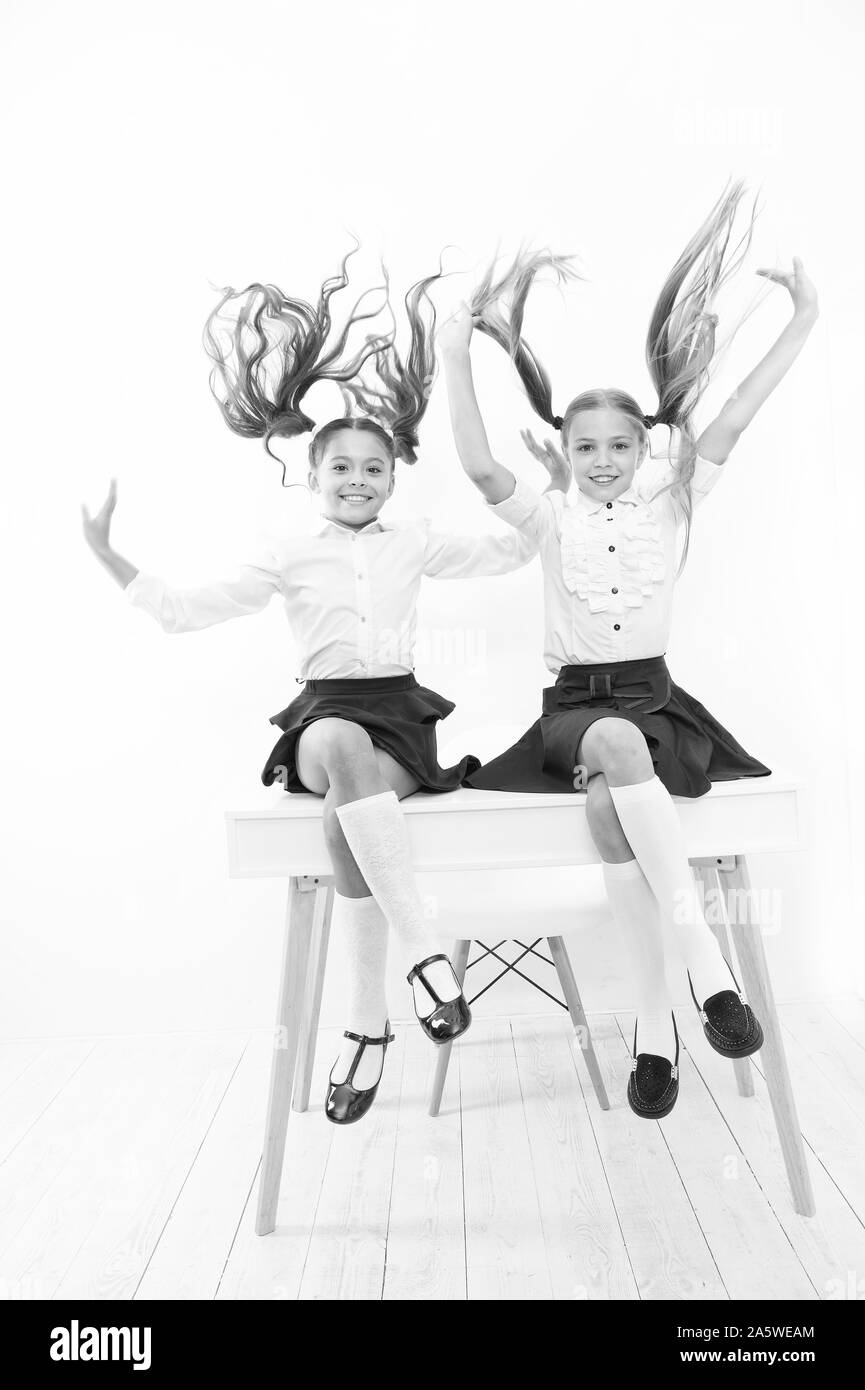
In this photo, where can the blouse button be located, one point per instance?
(616, 627)
(611, 548)
(609, 506)
(614, 591)
(363, 620)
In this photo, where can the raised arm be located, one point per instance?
(718, 438)
(181, 609)
(488, 475)
(97, 531)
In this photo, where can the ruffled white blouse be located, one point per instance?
(609, 567)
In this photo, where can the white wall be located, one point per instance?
(156, 152)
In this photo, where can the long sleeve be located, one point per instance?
(189, 609)
(466, 557)
(531, 515)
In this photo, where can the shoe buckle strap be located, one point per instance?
(417, 974)
(373, 1042)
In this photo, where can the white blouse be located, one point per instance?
(350, 594)
(609, 567)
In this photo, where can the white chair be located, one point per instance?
(473, 832)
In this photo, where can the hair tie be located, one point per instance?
(557, 422)
(650, 421)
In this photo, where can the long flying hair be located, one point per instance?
(268, 349)
(498, 307)
(399, 396)
(680, 344)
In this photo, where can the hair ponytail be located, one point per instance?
(680, 344)
(400, 398)
(272, 348)
(505, 326)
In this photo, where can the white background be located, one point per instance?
(154, 152)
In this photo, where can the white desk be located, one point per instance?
(464, 830)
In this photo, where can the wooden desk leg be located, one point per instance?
(459, 960)
(311, 1007)
(292, 981)
(706, 872)
(745, 930)
(562, 962)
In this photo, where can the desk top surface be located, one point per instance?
(305, 806)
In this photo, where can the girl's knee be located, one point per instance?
(339, 740)
(619, 748)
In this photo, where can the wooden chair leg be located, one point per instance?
(745, 931)
(562, 962)
(707, 874)
(311, 1003)
(292, 981)
(459, 960)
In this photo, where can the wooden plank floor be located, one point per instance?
(128, 1169)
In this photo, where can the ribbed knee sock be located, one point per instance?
(359, 931)
(650, 821)
(635, 909)
(374, 828)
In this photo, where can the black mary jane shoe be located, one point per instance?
(451, 1017)
(653, 1086)
(729, 1022)
(344, 1103)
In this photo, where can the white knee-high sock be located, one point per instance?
(635, 909)
(374, 828)
(650, 821)
(360, 933)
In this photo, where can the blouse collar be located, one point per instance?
(590, 505)
(331, 527)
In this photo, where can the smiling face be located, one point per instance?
(354, 476)
(604, 449)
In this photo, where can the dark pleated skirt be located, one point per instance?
(690, 749)
(398, 714)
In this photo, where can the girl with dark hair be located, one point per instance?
(614, 716)
(361, 734)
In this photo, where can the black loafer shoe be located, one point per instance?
(344, 1103)
(653, 1086)
(729, 1022)
(450, 1018)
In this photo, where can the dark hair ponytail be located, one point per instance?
(399, 399)
(498, 306)
(680, 344)
(271, 349)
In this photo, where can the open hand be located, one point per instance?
(97, 528)
(801, 290)
(553, 460)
